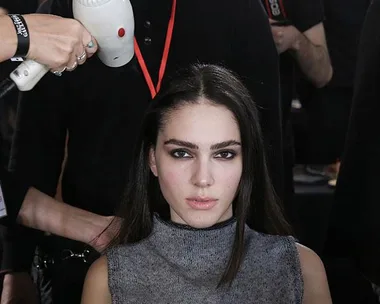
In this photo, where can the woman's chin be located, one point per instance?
(203, 220)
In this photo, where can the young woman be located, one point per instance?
(199, 168)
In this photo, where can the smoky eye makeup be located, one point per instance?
(226, 154)
(182, 149)
(180, 153)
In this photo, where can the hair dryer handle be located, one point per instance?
(27, 74)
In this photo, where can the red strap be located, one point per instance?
(165, 55)
(144, 69)
(282, 8)
(269, 10)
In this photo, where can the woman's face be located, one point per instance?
(198, 162)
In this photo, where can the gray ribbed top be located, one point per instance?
(179, 264)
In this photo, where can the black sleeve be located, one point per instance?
(61, 8)
(14, 257)
(304, 14)
(40, 144)
(19, 6)
(14, 191)
(354, 225)
(256, 61)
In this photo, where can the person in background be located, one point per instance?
(54, 41)
(328, 108)
(354, 236)
(299, 35)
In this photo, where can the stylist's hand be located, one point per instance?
(104, 231)
(285, 37)
(59, 43)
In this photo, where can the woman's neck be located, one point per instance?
(215, 226)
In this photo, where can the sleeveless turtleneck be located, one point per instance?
(180, 264)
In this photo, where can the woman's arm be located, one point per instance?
(316, 289)
(95, 289)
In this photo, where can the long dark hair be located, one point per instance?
(255, 202)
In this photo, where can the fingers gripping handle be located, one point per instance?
(111, 22)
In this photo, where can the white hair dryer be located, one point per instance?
(111, 22)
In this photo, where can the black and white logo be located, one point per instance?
(275, 7)
(20, 27)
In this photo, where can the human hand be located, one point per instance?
(285, 37)
(59, 43)
(18, 287)
(104, 232)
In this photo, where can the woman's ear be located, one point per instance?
(152, 161)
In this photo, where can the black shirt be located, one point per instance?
(344, 19)
(19, 6)
(303, 14)
(102, 107)
(10, 185)
(13, 187)
(355, 221)
(14, 191)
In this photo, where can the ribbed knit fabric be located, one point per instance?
(180, 264)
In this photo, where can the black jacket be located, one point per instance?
(355, 224)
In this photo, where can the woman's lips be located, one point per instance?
(201, 203)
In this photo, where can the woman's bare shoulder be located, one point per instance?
(316, 289)
(96, 290)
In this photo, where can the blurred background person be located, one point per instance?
(354, 235)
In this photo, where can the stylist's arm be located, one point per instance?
(59, 43)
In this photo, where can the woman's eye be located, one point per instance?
(180, 154)
(225, 155)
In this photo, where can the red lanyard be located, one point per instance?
(164, 60)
